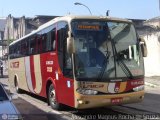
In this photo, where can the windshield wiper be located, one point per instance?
(125, 69)
(120, 62)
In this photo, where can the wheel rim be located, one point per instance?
(52, 96)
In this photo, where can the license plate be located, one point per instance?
(116, 100)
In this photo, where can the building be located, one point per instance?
(2, 28)
(155, 22)
(138, 23)
(150, 31)
(17, 27)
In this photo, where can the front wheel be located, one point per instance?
(52, 98)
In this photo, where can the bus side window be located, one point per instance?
(41, 41)
(10, 51)
(44, 40)
(53, 39)
(24, 47)
(39, 44)
(50, 43)
(18, 52)
(33, 45)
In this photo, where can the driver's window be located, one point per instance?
(63, 56)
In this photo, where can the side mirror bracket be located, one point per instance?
(143, 47)
(70, 43)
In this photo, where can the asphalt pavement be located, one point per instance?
(151, 102)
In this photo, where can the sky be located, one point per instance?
(135, 9)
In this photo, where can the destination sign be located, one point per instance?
(89, 27)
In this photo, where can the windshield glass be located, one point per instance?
(3, 95)
(99, 46)
(129, 60)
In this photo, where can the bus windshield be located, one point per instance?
(106, 50)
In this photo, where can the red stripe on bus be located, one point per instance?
(32, 72)
(134, 83)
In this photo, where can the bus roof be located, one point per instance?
(69, 18)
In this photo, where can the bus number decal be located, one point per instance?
(49, 69)
(49, 62)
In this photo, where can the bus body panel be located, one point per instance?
(65, 90)
(17, 71)
(49, 69)
(120, 93)
(93, 101)
(34, 71)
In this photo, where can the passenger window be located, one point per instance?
(39, 42)
(24, 47)
(44, 40)
(51, 31)
(33, 45)
(53, 39)
(62, 34)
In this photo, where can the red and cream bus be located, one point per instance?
(80, 61)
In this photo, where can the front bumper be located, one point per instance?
(92, 101)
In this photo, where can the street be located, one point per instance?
(34, 108)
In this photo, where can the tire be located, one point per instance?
(52, 99)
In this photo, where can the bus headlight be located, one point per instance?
(87, 91)
(139, 88)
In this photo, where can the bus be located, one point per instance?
(80, 61)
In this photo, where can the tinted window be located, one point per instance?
(63, 56)
(46, 39)
(50, 37)
(25, 47)
(43, 41)
(33, 45)
(62, 34)
(3, 95)
(10, 52)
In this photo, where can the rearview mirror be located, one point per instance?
(70, 43)
(143, 47)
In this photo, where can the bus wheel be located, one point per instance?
(52, 98)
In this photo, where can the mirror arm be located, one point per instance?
(70, 43)
(143, 47)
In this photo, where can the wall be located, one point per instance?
(152, 61)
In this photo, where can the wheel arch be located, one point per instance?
(16, 79)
